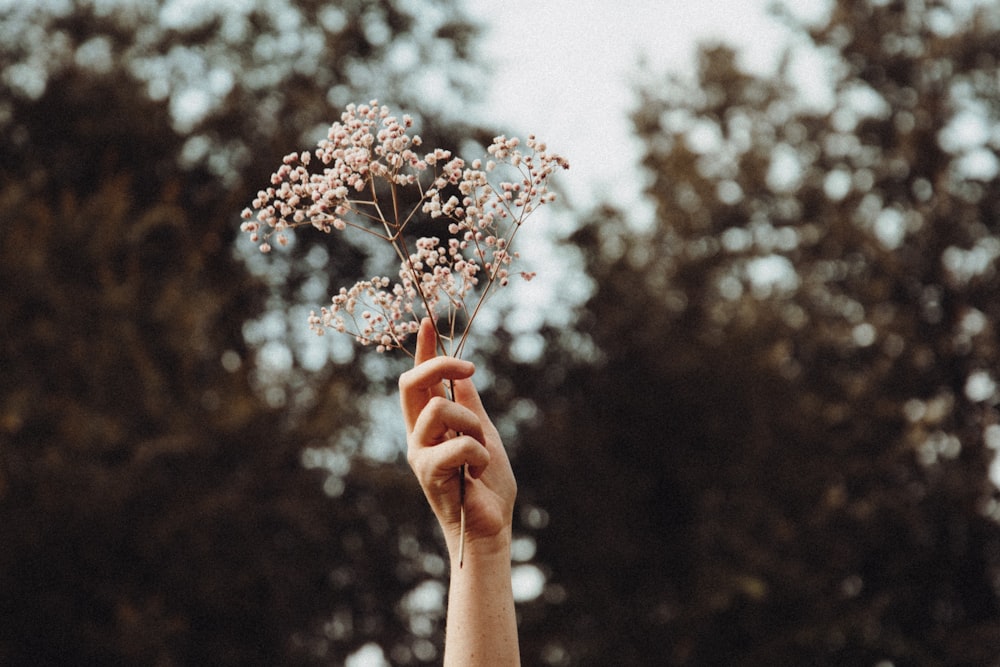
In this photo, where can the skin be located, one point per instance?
(441, 436)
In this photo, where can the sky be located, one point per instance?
(565, 69)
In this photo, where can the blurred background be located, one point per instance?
(751, 405)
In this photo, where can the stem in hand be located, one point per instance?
(461, 491)
(461, 500)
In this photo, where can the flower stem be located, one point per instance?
(461, 500)
(461, 496)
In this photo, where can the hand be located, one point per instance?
(442, 435)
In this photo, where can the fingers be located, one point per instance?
(467, 395)
(442, 418)
(439, 464)
(432, 421)
(424, 381)
(439, 423)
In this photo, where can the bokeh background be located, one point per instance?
(753, 422)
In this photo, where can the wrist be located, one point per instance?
(482, 549)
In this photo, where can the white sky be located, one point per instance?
(565, 69)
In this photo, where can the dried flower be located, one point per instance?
(356, 178)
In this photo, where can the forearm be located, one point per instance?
(449, 437)
(482, 626)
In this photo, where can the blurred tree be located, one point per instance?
(778, 451)
(154, 505)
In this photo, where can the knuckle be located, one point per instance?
(437, 405)
(405, 380)
(475, 450)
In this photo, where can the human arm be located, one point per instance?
(481, 625)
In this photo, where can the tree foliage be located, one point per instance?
(154, 505)
(779, 452)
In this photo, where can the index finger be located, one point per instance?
(424, 381)
(418, 385)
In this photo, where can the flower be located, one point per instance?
(354, 179)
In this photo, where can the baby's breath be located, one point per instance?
(355, 179)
